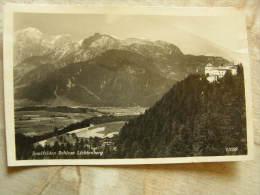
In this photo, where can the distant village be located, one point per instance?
(214, 73)
(69, 145)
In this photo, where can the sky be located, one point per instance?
(192, 34)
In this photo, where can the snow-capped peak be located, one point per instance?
(130, 41)
(61, 38)
(30, 32)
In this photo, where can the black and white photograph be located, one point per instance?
(115, 87)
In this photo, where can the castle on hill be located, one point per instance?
(214, 73)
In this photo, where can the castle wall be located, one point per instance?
(214, 73)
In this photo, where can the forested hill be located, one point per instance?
(195, 118)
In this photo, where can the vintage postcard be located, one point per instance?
(126, 85)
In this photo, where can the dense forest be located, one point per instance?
(195, 118)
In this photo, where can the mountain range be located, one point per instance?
(100, 70)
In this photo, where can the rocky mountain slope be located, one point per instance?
(30, 42)
(115, 78)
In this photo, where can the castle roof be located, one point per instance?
(209, 65)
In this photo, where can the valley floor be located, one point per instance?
(70, 135)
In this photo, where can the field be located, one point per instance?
(120, 111)
(39, 122)
(102, 130)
